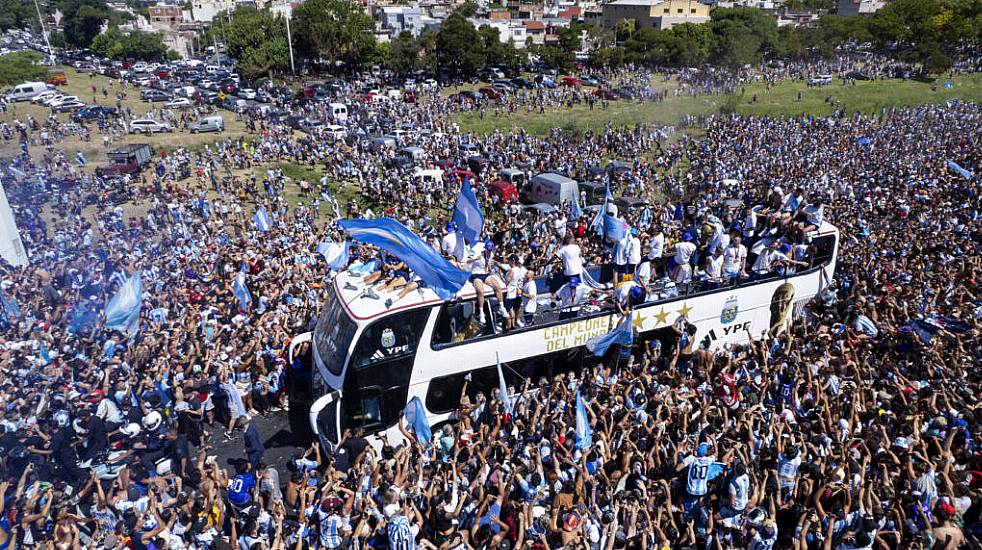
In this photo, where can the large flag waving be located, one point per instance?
(335, 254)
(584, 433)
(241, 291)
(623, 334)
(467, 214)
(416, 418)
(123, 311)
(502, 387)
(262, 220)
(440, 275)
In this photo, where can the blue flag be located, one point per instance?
(957, 168)
(43, 352)
(576, 212)
(948, 84)
(467, 214)
(336, 255)
(440, 275)
(416, 419)
(123, 311)
(502, 387)
(16, 172)
(584, 433)
(241, 291)
(614, 228)
(84, 318)
(623, 334)
(261, 218)
(10, 307)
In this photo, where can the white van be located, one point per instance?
(552, 189)
(26, 91)
(339, 111)
(208, 124)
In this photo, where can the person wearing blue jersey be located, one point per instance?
(241, 487)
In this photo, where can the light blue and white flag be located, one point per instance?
(467, 214)
(614, 228)
(336, 255)
(623, 334)
(123, 311)
(646, 217)
(417, 421)
(80, 158)
(16, 172)
(584, 432)
(576, 212)
(440, 275)
(45, 357)
(502, 387)
(241, 291)
(262, 220)
(957, 168)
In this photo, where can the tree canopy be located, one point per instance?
(142, 46)
(22, 66)
(333, 32)
(256, 38)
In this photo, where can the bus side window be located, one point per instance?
(443, 394)
(456, 323)
(389, 337)
(822, 249)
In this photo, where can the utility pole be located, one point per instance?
(289, 41)
(44, 33)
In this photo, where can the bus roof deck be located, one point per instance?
(362, 307)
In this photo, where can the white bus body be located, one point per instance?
(402, 351)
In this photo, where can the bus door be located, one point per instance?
(323, 418)
(376, 384)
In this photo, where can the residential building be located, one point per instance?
(657, 14)
(509, 31)
(859, 7)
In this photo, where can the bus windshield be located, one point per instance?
(333, 334)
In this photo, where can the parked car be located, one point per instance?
(490, 92)
(149, 126)
(93, 112)
(605, 94)
(213, 123)
(155, 95)
(522, 83)
(178, 103)
(66, 106)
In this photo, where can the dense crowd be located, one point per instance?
(855, 428)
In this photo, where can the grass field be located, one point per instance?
(780, 100)
(80, 84)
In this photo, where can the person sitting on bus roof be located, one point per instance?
(627, 295)
(479, 261)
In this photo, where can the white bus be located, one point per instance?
(369, 360)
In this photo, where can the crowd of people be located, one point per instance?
(854, 428)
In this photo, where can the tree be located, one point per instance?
(256, 38)
(20, 67)
(459, 47)
(333, 32)
(16, 14)
(742, 36)
(692, 46)
(82, 20)
(404, 54)
(142, 46)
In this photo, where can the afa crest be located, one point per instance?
(388, 338)
(730, 310)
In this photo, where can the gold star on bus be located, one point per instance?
(684, 312)
(661, 317)
(638, 321)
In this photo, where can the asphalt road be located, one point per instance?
(278, 434)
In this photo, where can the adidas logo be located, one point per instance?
(378, 355)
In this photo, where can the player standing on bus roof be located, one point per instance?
(572, 259)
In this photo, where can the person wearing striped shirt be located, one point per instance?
(402, 533)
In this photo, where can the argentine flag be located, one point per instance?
(241, 291)
(262, 220)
